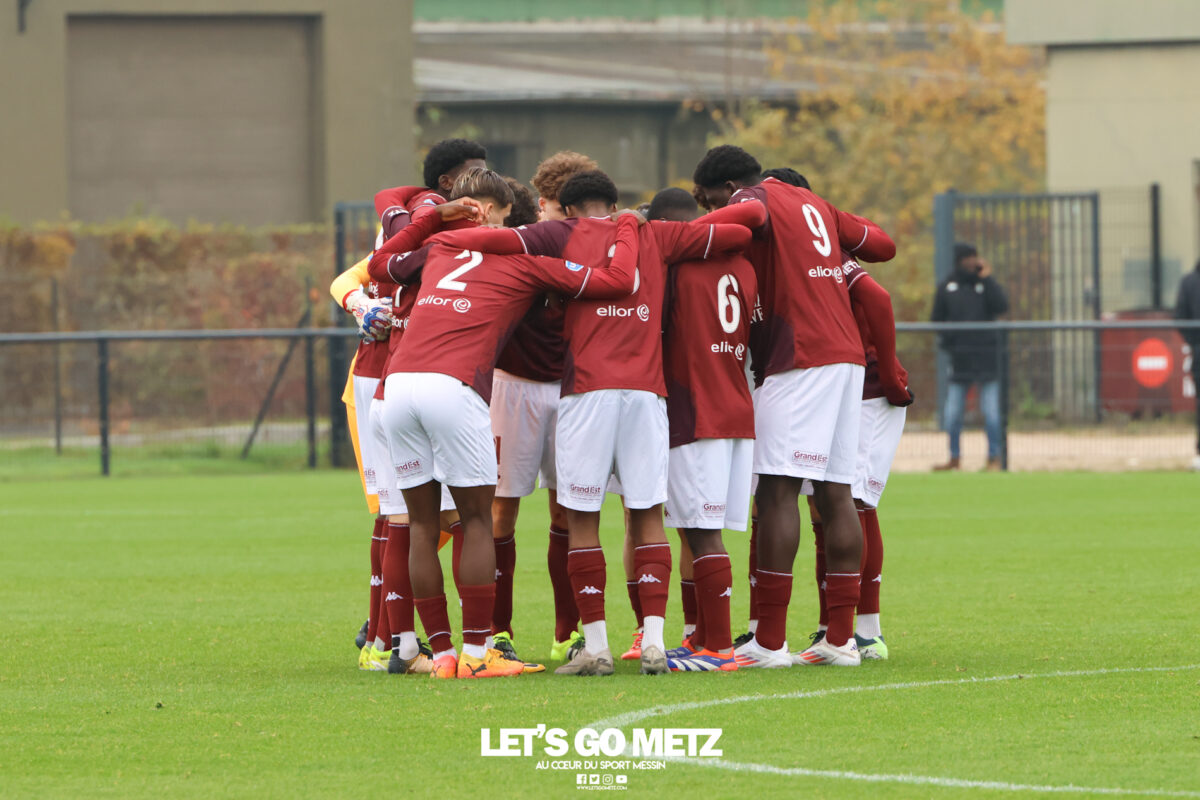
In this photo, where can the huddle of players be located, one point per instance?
(600, 352)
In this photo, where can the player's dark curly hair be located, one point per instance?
(787, 175)
(727, 163)
(524, 207)
(448, 154)
(670, 200)
(585, 186)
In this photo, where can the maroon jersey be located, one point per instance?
(535, 351)
(617, 344)
(877, 328)
(705, 344)
(470, 303)
(395, 207)
(797, 257)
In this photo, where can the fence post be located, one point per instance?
(337, 361)
(943, 265)
(310, 400)
(1155, 248)
(57, 369)
(102, 377)
(1097, 301)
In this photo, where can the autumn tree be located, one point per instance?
(909, 99)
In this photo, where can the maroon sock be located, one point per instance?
(566, 615)
(754, 568)
(868, 599)
(687, 595)
(377, 540)
(714, 588)
(774, 594)
(436, 621)
(456, 548)
(699, 636)
(397, 586)
(841, 593)
(819, 539)
(635, 602)
(477, 602)
(652, 572)
(506, 564)
(588, 576)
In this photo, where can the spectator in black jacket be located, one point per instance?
(1187, 307)
(971, 294)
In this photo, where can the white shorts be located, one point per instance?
(878, 439)
(374, 457)
(438, 430)
(619, 432)
(708, 484)
(806, 423)
(524, 422)
(391, 499)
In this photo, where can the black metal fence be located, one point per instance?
(154, 401)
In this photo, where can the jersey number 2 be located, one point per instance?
(449, 283)
(817, 225)
(729, 310)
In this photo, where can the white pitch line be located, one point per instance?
(923, 780)
(627, 719)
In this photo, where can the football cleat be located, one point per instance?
(635, 650)
(742, 639)
(377, 660)
(816, 637)
(360, 641)
(871, 649)
(654, 661)
(752, 654)
(420, 664)
(492, 665)
(584, 663)
(504, 644)
(704, 661)
(685, 649)
(363, 661)
(824, 653)
(561, 651)
(444, 667)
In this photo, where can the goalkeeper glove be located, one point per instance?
(374, 317)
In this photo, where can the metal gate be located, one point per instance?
(1045, 252)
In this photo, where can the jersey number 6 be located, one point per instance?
(729, 310)
(449, 283)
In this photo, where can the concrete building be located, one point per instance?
(1123, 110)
(636, 95)
(246, 111)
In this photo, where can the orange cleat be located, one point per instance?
(445, 667)
(635, 650)
(492, 665)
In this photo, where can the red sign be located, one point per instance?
(1152, 363)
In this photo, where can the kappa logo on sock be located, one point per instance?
(648, 578)
(727, 593)
(376, 580)
(499, 574)
(753, 581)
(590, 590)
(392, 596)
(877, 579)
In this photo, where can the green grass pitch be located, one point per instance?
(180, 637)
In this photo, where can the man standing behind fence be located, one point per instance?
(971, 294)
(1187, 307)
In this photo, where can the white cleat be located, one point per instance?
(751, 654)
(824, 653)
